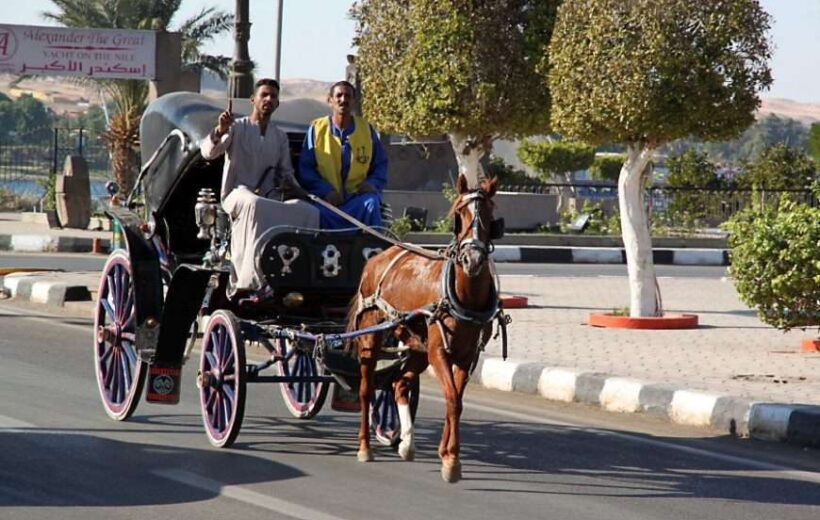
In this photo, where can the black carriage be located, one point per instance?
(170, 276)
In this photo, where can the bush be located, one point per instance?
(776, 263)
(607, 167)
(599, 222)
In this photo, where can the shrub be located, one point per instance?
(776, 263)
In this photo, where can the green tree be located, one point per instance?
(607, 166)
(553, 159)
(779, 168)
(130, 96)
(654, 71)
(32, 120)
(474, 70)
(692, 174)
(92, 120)
(814, 141)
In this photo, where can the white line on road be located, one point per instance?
(10, 423)
(700, 452)
(243, 495)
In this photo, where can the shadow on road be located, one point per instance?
(78, 469)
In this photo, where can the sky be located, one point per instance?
(317, 35)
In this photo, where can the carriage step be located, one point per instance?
(163, 384)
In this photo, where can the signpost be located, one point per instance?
(95, 53)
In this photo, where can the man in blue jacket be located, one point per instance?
(343, 162)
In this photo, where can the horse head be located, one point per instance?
(474, 227)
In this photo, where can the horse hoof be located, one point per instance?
(364, 455)
(407, 451)
(451, 472)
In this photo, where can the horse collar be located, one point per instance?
(448, 288)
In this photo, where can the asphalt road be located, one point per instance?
(91, 262)
(62, 458)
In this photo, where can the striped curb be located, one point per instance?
(795, 424)
(44, 290)
(606, 255)
(52, 244)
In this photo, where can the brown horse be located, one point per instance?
(458, 292)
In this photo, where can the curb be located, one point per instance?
(528, 254)
(606, 255)
(44, 290)
(52, 244)
(791, 423)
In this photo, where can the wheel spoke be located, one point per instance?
(109, 311)
(209, 357)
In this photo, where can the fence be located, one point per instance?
(24, 168)
(673, 207)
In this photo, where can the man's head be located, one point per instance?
(265, 97)
(342, 98)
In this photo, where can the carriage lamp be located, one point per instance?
(205, 213)
(293, 299)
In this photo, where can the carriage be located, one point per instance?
(166, 287)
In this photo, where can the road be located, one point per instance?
(62, 458)
(91, 262)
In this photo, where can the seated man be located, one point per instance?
(343, 162)
(257, 165)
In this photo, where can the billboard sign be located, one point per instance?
(94, 53)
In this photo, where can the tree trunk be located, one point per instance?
(469, 150)
(643, 288)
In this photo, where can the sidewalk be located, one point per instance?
(31, 237)
(733, 373)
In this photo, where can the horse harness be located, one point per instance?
(448, 304)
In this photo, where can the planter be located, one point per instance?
(514, 302)
(810, 345)
(667, 321)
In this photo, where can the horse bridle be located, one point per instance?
(460, 248)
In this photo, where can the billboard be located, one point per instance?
(94, 53)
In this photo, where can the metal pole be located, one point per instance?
(240, 84)
(277, 43)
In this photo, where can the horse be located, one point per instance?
(458, 294)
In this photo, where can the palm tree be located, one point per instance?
(130, 96)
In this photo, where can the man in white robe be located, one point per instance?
(257, 166)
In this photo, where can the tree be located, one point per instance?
(814, 141)
(130, 97)
(692, 173)
(779, 168)
(475, 70)
(32, 120)
(607, 166)
(556, 158)
(654, 71)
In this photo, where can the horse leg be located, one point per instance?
(450, 465)
(407, 446)
(367, 368)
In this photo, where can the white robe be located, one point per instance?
(248, 154)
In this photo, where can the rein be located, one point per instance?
(364, 227)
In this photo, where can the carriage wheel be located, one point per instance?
(384, 413)
(303, 399)
(120, 372)
(221, 379)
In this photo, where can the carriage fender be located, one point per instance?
(146, 275)
(182, 304)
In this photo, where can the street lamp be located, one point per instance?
(240, 83)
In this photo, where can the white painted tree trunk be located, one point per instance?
(643, 298)
(468, 156)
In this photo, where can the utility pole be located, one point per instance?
(240, 83)
(277, 46)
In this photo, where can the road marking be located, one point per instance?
(49, 318)
(243, 495)
(10, 423)
(700, 452)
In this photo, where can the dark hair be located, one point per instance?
(266, 82)
(342, 83)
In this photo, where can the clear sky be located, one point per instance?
(316, 37)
